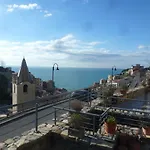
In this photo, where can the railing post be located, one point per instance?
(36, 118)
(55, 116)
(93, 125)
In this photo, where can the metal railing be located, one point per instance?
(41, 113)
(93, 124)
(29, 118)
(10, 111)
(90, 120)
(30, 105)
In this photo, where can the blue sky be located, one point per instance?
(75, 33)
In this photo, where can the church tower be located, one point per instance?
(23, 86)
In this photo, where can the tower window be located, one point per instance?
(25, 88)
(14, 88)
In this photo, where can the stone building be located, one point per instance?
(23, 86)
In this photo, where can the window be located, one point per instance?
(25, 88)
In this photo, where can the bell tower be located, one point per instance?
(23, 86)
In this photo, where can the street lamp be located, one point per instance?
(112, 73)
(53, 70)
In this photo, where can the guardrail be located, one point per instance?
(93, 124)
(38, 115)
(30, 105)
(89, 121)
(28, 118)
(53, 99)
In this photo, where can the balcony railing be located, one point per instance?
(61, 104)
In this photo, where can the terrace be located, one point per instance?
(85, 122)
(130, 125)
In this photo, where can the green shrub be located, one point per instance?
(76, 120)
(111, 120)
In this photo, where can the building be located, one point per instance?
(116, 77)
(122, 82)
(50, 86)
(102, 81)
(23, 86)
(39, 84)
(136, 69)
(109, 78)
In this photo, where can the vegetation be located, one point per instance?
(124, 71)
(76, 120)
(111, 120)
(4, 95)
(124, 87)
(109, 92)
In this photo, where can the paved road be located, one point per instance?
(135, 104)
(26, 123)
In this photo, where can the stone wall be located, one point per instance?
(49, 137)
(28, 138)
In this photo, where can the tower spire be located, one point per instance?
(24, 75)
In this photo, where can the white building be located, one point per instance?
(102, 81)
(122, 82)
(23, 86)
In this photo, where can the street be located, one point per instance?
(135, 104)
(21, 125)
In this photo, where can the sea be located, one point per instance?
(71, 78)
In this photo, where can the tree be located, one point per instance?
(107, 94)
(3, 88)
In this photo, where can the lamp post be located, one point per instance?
(112, 74)
(53, 70)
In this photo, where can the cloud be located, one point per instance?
(11, 8)
(48, 15)
(31, 6)
(68, 51)
(96, 43)
(143, 47)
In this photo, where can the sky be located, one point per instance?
(75, 33)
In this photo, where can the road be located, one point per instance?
(16, 128)
(135, 104)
